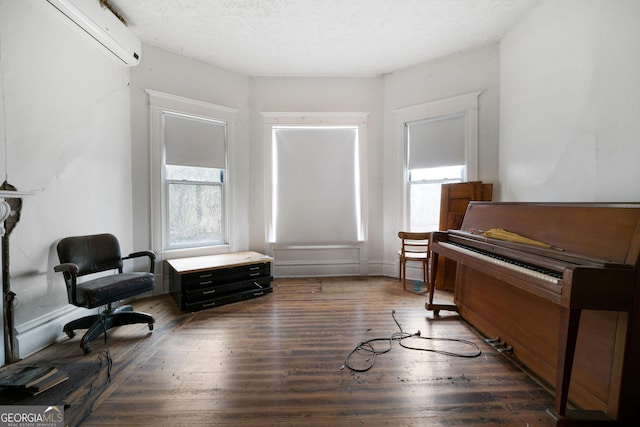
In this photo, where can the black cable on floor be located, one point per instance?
(107, 352)
(367, 348)
(105, 361)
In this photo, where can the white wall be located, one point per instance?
(476, 70)
(160, 70)
(570, 103)
(67, 137)
(164, 71)
(322, 94)
(172, 73)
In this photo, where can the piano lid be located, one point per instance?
(552, 258)
(603, 232)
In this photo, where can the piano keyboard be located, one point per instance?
(546, 275)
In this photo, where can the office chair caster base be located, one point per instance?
(86, 348)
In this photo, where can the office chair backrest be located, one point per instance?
(92, 254)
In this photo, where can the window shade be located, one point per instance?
(437, 142)
(191, 141)
(315, 185)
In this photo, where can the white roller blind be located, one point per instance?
(315, 181)
(191, 141)
(437, 142)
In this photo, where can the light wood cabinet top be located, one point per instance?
(212, 262)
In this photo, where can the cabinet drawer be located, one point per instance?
(227, 299)
(202, 282)
(210, 278)
(226, 288)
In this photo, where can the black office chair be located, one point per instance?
(84, 255)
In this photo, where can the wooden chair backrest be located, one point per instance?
(415, 242)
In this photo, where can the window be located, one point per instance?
(436, 155)
(424, 194)
(195, 208)
(190, 143)
(195, 165)
(439, 145)
(316, 183)
(315, 171)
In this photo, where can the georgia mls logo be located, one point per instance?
(31, 416)
(56, 414)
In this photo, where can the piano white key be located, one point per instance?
(501, 263)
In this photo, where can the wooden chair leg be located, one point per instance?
(424, 272)
(404, 274)
(427, 276)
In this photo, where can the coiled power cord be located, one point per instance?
(367, 347)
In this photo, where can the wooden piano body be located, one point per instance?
(577, 331)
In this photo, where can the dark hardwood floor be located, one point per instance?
(280, 360)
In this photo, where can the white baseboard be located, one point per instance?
(45, 330)
(414, 271)
(318, 260)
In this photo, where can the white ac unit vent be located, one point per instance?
(101, 24)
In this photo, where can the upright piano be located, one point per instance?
(568, 313)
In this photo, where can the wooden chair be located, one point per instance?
(415, 247)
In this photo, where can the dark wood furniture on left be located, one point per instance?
(209, 281)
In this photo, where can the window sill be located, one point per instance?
(193, 252)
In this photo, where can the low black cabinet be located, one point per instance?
(203, 282)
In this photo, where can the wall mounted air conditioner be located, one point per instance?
(101, 24)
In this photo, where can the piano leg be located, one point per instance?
(569, 323)
(432, 287)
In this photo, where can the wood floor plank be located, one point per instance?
(280, 360)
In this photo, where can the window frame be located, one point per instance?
(411, 183)
(159, 105)
(466, 105)
(167, 188)
(273, 120)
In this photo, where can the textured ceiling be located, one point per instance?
(320, 37)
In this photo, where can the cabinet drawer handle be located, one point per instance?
(208, 282)
(257, 294)
(254, 268)
(208, 305)
(213, 291)
(254, 274)
(204, 276)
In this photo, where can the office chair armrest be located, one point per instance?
(69, 268)
(151, 255)
(70, 272)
